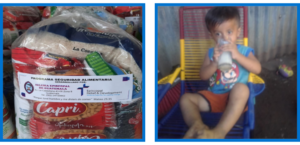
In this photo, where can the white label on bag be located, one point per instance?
(76, 88)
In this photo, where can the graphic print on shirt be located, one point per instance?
(227, 78)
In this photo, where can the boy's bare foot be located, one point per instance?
(210, 134)
(195, 129)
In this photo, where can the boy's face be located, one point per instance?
(228, 30)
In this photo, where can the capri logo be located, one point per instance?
(81, 88)
(51, 109)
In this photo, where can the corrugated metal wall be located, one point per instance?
(168, 39)
(272, 32)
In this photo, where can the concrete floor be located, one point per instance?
(276, 107)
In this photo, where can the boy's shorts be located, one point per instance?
(216, 102)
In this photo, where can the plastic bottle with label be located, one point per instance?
(23, 114)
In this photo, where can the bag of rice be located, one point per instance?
(70, 72)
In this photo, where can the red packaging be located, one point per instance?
(7, 24)
(23, 25)
(36, 58)
(109, 9)
(41, 8)
(46, 12)
(51, 117)
(126, 11)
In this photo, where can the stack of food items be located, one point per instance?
(16, 20)
(67, 53)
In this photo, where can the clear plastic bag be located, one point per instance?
(16, 20)
(97, 11)
(67, 45)
(106, 16)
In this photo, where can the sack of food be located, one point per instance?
(69, 72)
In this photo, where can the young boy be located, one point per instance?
(228, 92)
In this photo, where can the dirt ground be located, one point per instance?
(276, 107)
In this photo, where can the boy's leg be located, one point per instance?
(190, 105)
(236, 105)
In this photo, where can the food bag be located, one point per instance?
(71, 72)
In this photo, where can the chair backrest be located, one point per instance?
(195, 39)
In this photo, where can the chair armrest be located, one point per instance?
(256, 84)
(165, 84)
(170, 78)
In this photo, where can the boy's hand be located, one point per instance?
(217, 53)
(231, 47)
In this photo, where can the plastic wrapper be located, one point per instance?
(91, 10)
(106, 16)
(126, 11)
(49, 11)
(73, 43)
(17, 20)
(22, 14)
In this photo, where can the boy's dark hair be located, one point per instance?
(218, 15)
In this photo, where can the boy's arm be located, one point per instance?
(250, 63)
(208, 68)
